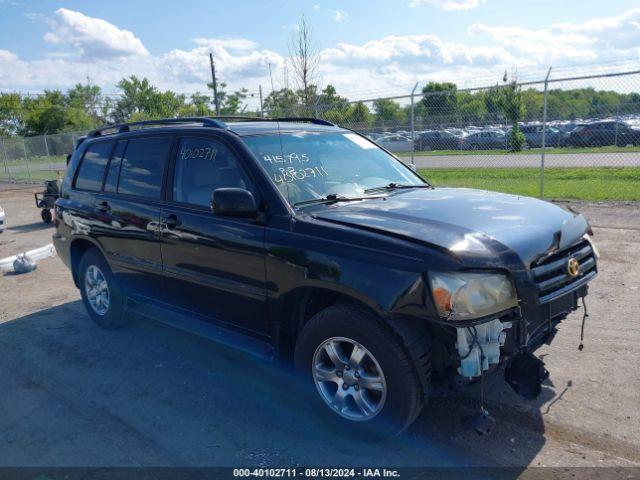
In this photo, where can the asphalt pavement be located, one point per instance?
(72, 394)
(524, 160)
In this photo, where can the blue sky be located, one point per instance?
(367, 46)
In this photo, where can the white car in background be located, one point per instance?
(1, 219)
(395, 143)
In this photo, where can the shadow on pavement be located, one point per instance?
(149, 395)
(30, 227)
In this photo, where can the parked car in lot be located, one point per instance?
(373, 135)
(484, 140)
(533, 136)
(305, 242)
(2, 219)
(600, 134)
(437, 140)
(395, 143)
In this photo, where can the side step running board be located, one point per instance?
(253, 346)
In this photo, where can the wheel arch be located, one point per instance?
(302, 303)
(77, 249)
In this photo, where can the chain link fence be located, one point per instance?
(576, 137)
(34, 159)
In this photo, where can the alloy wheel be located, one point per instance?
(97, 290)
(349, 379)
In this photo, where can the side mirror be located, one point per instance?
(233, 202)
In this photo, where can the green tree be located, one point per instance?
(470, 108)
(52, 112)
(230, 103)
(512, 108)
(493, 102)
(511, 103)
(280, 103)
(533, 101)
(359, 115)
(388, 111)
(142, 101)
(199, 105)
(138, 98)
(330, 100)
(439, 99)
(11, 114)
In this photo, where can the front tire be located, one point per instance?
(364, 379)
(101, 294)
(46, 216)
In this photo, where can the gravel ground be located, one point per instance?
(148, 395)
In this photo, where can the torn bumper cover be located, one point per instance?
(514, 340)
(525, 374)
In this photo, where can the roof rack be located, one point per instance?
(317, 121)
(215, 122)
(126, 127)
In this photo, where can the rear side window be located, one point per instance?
(143, 165)
(92, 166)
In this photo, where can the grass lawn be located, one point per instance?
(35, 160)
(594, 184)
(531, 151)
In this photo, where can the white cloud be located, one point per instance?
(599, 39)
(340, 15)
(92, 37)
(455, 5)
(397, 61)
(392, 62)
(231, 44)
(412, 50)
(234, 62)
(293, 27)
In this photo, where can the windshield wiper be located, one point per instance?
(331, 198)
(396, 186)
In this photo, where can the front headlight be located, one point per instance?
(466, 296)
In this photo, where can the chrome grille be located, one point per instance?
(551, 276)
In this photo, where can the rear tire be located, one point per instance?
(383, 394)
(101, 294)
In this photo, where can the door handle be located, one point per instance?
(171, 221)
(104, 206)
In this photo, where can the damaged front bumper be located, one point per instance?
(512, 340)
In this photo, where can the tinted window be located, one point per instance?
(111, 183)
(143, 166)
(203, 165)
(92, 167)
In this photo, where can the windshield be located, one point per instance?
(312, 165)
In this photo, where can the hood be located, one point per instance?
(468, 223)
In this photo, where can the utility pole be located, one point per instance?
(261, 111)
(413, 132)
(215, 84)
(544, 131)
(271, 77)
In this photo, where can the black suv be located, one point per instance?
(299, 240)
(600, 134)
